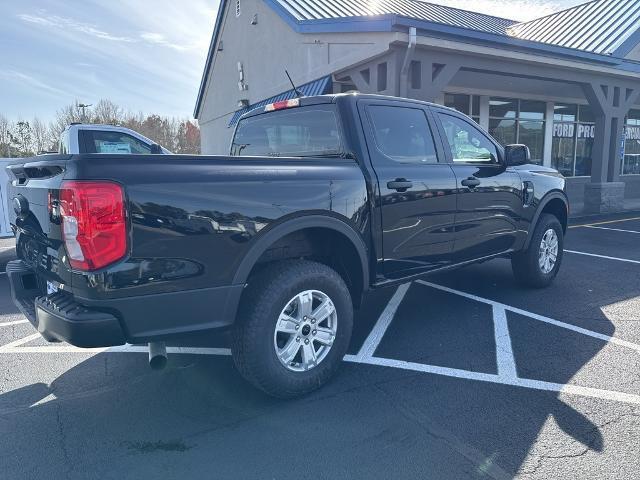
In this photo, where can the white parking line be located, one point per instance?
(535, 316)
(603, 256)
(504, 351)
(507, 372)
(612, 229)
(16, 322)
(9, 347)
(379, 329)
(488, 377)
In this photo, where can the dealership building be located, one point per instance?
(567, 84)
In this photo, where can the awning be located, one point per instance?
(317, 87)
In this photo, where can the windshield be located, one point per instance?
(297, 132)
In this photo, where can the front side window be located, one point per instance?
(296, 132)
(467, 143)
(98, 141)
(403, 134)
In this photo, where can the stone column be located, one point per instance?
(610, 103)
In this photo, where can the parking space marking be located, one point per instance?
(16, 343)
(612, 229)
(504, 351)
(606, 257)
(16, 322)
(507, 373)
(498, 379)
(608, 222)
(535, 316)
(379, 329)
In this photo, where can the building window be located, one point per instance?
(238, 10)
(631, 163)
(467, 104)
(519, 121)
(573, 134)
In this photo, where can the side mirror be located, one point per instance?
(517, 155)
(156, 149)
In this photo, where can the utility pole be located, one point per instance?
(83, 106)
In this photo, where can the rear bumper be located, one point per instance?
(58, 317)
(91, 323)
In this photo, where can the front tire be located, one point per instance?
(293, 328)
(538, 266)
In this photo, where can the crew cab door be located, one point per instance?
(416, 187)
(489, 200)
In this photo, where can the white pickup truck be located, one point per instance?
(80, 138)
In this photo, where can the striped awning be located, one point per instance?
(317, 87)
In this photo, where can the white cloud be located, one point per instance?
(55, 21)
(39, 85)
(159, 39)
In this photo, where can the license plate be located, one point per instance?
(51, 288)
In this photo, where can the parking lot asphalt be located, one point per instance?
(462, 375)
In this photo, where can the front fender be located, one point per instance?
(544, 202)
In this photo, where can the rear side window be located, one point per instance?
(403, 134)
(296, 132)
(98, 141)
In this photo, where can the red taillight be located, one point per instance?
(94, 224)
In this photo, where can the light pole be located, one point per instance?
(83, 106)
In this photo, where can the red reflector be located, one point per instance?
(282, 105)
(93, 223)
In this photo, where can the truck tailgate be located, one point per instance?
(33, 187)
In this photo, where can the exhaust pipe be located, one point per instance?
(157, 355)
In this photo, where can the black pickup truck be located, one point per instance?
(319, 200)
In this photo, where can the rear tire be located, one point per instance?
(278, 345)
(538, 266)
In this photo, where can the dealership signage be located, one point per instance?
(567, 130)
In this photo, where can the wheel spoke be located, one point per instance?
(323, 336)
(287, 324)
(305, 303)
(323, 311)
(308, 355)
(290, 350)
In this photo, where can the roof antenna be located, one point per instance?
(295, 89)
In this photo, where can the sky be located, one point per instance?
(145, 55)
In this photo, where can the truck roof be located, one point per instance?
(333, 97)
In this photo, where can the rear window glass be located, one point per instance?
(296, 132)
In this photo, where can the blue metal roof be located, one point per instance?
(317, 87)
(309, 10)
(600, 26)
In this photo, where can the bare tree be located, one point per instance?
(107, 112)
(39, 136)
(22, 138)
(5, 136)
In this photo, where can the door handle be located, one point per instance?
(400, 184)
(471, 182)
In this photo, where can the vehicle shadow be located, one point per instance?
(109, 416)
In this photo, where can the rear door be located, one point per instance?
(416, 186)
(489, 195)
